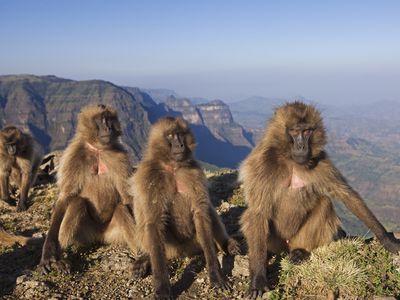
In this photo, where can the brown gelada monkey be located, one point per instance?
(288, 183)
(173, 212)
(93, 200)
(20, 158)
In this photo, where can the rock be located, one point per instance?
(48, 168)
(21, 279)
(38, 235)
(383, 298)
(238, 266)
(217, 116)
(119, 262)
(186, 108)
(57, 297)
(241, 266)
(31, 284)
(267, 295)
(200, 280)
(224, 207)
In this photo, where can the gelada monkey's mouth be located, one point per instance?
(301, 159)
(179, 155)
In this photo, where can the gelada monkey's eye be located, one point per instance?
(308, 132)
(294, 131)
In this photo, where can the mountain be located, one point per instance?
(217, 116)
(185, 107)
(198, 100)
(154, 109)
(160, 95)
(221, 141)
(364, 140)
(47, 106)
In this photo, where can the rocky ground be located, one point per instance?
(104, 272)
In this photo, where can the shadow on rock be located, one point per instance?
(16, 260)
(222, 187)
(188, 276)
(231, 219)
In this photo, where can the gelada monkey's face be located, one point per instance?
(11, 137)
(108, 127)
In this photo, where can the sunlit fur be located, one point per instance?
(172, 208)
(22, 167)
(7, 240)
(87, 129)
(289, 205)
(287, 116)
(158, 146)
(91, 207)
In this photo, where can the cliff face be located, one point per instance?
(217, 116)
(47, 106)
(160, 95)
(221, 141)
(189, 112)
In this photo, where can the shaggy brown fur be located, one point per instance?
(289, 204)
(20, 157)
(173, 211)
(92, 178)
(8, 240)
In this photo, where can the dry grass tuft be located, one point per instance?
(349, 268)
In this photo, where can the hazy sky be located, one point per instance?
(327, 51)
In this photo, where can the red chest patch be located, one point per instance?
(99, 167)
(179, 185)
(296, 182)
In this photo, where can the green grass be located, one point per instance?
(350, 268)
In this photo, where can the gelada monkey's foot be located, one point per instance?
(141, 267)
(61, 265)
(255, 293)
(258, 288)
(21, 206)
(391, 243)
(218, 281)
(163, 293)
(297, 256)
(163, 297)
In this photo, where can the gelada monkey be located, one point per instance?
(289, 183)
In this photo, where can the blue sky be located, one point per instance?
(327, 51)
